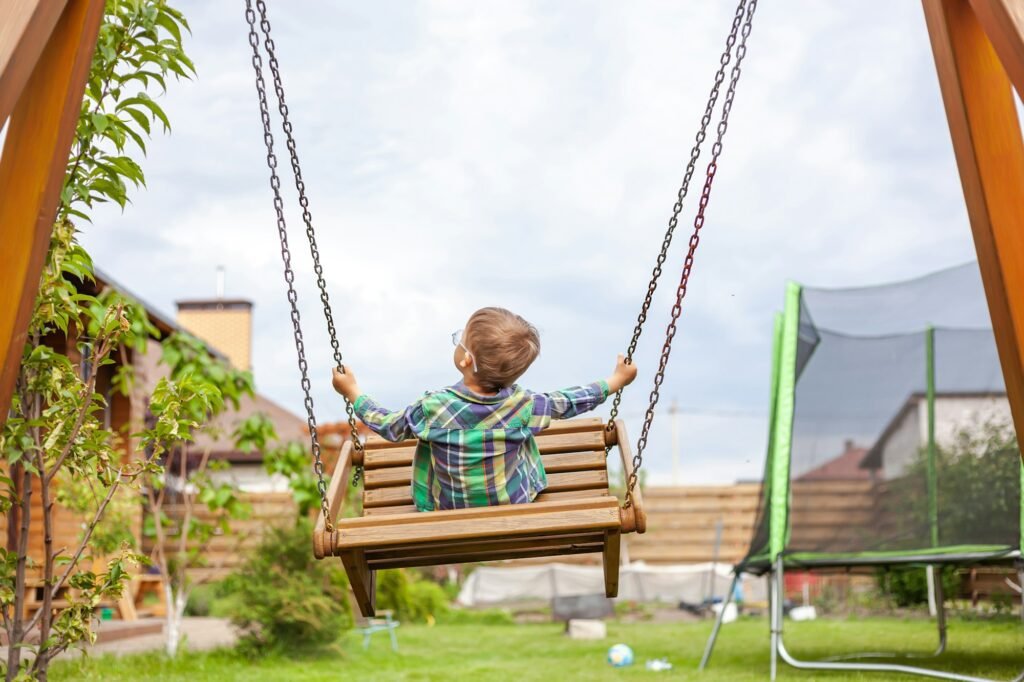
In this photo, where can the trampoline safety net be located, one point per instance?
(891, 439)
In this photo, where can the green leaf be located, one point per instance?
(99, 121)
(167, 22)
(139, 117)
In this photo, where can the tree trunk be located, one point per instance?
(176, 600)
(42, 658)
(17, 634)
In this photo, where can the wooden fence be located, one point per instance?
(682, 523)
(226, 551)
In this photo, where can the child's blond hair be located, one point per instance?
(503, 344)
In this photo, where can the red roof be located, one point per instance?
(846, 466)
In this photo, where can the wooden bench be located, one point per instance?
(576, 514)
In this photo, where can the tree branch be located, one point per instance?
(44, 493)
(83, 544)
(83, 412)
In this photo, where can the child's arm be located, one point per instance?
(571, 402)
(392, 426)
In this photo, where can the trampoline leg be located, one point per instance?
(776, 598)
(710, 646)
(1020, 581)
(940, 613)
(779, 647)
(935, 596)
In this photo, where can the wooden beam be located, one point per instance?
(610, 561)
(989, 152)
(25, 27)
(39, 135)
(1003, 22)
(323, 541)
(362, 580)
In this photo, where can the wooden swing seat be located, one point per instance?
(576, 514)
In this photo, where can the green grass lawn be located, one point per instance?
(541, 652)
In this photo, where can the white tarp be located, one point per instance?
(637, 582)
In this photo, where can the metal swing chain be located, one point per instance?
(680, 197)
(698, 223)
(289, 275)
(307, 218)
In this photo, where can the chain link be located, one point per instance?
(698, 223)
(286, 258)
(684, 189)
(307, 217)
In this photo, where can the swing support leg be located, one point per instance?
(363, 581)
(612, 546)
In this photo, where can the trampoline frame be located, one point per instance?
(776, 592)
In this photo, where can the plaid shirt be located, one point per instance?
(475, 450)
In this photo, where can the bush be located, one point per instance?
(909, 586)
(428, 601)
(283, 599)
(212, 599)
(412, 600)
(477, 617)
(200, 600)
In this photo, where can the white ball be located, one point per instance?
(620, 656)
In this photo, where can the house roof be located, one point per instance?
(165, 324)
(288, 425)
(849, 465)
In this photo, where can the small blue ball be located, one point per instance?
(620, 656)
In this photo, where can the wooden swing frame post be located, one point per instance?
(979, 56)
(46, 48)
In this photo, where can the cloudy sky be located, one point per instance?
(527, 154)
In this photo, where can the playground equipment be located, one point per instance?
(46, 46)
(576, 514)
(890, 443)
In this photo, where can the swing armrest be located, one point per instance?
(323, 541)
(634, 518)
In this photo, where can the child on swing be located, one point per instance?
(476, 438)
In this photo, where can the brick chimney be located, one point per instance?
(224, 323)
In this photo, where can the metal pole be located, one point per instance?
(1020, 582)
(776, 605)
(714, 559)
(929, 574)
(939, 597)
(935, 596)
(933, 478)
(710, 646)
(779, 647)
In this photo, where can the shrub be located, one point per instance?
(412, 599)
(212, 599)
(477, 617)
(428, 601)
(284, 599)
(393, 592)
(909, 586)
(200, 600)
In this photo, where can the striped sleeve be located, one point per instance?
(392, 426)
(567, 403)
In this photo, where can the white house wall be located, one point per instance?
(953, 414)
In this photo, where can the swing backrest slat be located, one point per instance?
(573, 453)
